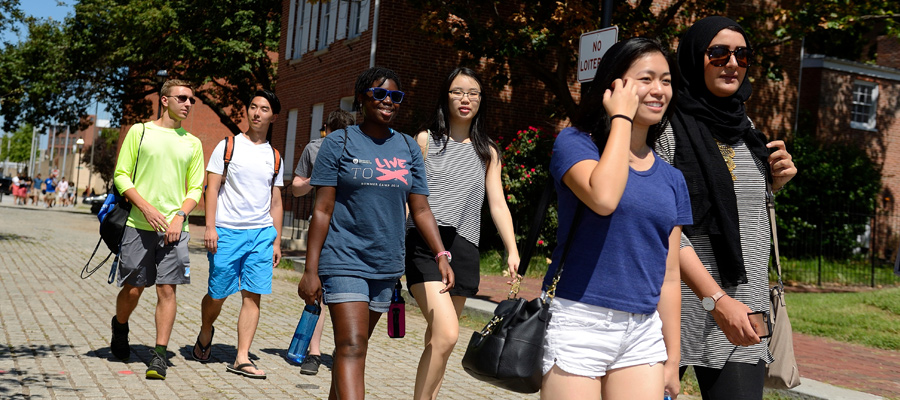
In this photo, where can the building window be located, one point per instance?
(864, 105)
(325, 26)
(317, 26)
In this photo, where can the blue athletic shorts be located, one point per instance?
(346, 289)
(243, 261)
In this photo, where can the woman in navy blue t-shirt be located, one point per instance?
(365, 177)
(605, 335)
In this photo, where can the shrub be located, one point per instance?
(526, 171)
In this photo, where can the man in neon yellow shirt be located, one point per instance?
(160, 172)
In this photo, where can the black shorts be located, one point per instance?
(421, 267)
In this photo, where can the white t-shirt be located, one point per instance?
(246, 197)
(62, 188)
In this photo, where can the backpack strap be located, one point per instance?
(229, 153)
(277, 164)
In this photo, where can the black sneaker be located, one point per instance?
(310, 365)
(157, 367)
(119, 342)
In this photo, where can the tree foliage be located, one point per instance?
(542, 36)
(830, 202)
(111, 51)
(17, 146)
(35, 74)
(10, 13)
(104, 157)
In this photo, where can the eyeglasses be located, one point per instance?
(380, 93)
(719, 55)
(457, 94)
(183, 98)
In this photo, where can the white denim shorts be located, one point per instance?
(589, 340)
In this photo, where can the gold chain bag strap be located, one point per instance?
(783, 372)
(509, 351)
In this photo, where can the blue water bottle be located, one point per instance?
(666, 396)
(305, 328)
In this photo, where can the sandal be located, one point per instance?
(241, 371)
(203, 349)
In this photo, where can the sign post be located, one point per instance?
(591, 49)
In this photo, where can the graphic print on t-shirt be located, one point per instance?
(394, 169)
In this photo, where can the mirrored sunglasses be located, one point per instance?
(720, 55)
(183, 98)
(380, 93)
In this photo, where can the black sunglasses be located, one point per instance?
(380, 93)
(719, 55)
(183, 98)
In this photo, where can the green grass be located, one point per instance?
(867, 318)
(493, 262)
(286, 263)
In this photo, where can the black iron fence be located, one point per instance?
(838, 245)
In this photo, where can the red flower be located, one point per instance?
(532, 170)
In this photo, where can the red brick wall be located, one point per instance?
(329, 75)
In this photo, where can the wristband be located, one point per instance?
(443, 253)
(625, 117)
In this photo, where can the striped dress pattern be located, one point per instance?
(702, 342)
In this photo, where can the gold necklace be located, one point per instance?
(728, 155)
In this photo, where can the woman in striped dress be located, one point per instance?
(726, 163)
(462, 165)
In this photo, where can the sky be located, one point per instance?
(56, 9)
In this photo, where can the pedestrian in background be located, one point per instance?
(614, 329)
(337, 120)
(365, 176)
(725, 255)
(462, 165)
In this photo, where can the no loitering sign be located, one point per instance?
(591, 49)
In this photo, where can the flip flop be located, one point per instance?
(241, 371)
(203, 349)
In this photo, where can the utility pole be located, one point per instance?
(93, 141)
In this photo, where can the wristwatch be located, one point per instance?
(709, 303)
(181, 214)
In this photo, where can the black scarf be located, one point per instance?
(699, 120)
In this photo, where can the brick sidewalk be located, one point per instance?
(54, 330)
(856, 367)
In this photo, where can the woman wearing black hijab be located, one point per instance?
(726, 163)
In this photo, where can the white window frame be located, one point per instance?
(870, 124)
(359, 18)
(298, 20)
(326, 25)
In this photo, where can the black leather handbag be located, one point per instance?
(509, 351)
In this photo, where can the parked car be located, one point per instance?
(95, 201)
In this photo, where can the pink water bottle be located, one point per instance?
(397, 314)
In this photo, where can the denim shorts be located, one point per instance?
(346, 289)
(588, 340)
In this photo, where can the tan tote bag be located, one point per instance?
(783, 372)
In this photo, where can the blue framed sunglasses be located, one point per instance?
(380, 93)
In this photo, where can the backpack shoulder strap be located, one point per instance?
(277, 163)
(228, 154)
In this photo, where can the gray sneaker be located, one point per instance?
(310, 365)
(157, 367)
